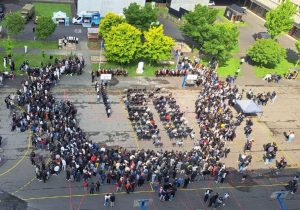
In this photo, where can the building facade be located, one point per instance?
(261, 7)
(105, 6)
(180, 7)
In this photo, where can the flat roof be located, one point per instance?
(237, 8)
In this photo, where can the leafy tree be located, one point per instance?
(198, 21)
(122, 43)
(157, 46)
(13, 23)
(140, 17)
(297, 44)
(45, 27)
(110, 20)
(280, 20)
(267, 52)
(220, 40)
(8, 46)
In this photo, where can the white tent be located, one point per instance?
(59, 16)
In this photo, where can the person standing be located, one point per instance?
(108, 111)
(32, 157)
(97, 186)
(112, 200)
(5, 62)
(93, 76)
(207, 195)
(85, 186)
(186, 181)
(213, 199)
(106, 199)
(290, 136)
(92, 188)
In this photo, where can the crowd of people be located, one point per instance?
(272, 78)
(270, 152)
(113, 72)
(261, 98)
(173, 120)
(140, 115)
(54, 127)
(170, 72)
(101, 90)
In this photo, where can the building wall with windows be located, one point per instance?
(261, 7)
(105, 6)
(188, 5)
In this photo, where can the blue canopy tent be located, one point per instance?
(248, 106)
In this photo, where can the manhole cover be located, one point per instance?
(77, 31)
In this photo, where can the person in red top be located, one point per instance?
(94, 158)
(168, 117)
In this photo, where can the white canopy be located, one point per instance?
(59, 15)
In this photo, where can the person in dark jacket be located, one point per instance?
(112, 200)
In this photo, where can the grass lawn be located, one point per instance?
(229, 68)
(281, 68)
(149, 70)
(37, 44)
(34, 60)
(220, 14)
(47, 9)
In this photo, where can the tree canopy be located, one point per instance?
(297, 44)
(45, 27)
(110, 20)
(198, 21)
(140, 17)
(220, 40)
(157, 46)
(13, 23)
(123, 43)
(280, 20)
(267, 52)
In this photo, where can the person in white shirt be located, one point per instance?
(106, 199)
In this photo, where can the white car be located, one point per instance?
(77, 20)
(211, 3)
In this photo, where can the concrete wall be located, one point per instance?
(188, 5)
(105, 6)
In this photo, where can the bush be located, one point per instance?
(267, 52)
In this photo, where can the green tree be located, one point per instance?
(8, 46)
(140, 17)
(45, 27)
(280, 20)
(297, 45)
(110, 20)
(157, 46)
(220, 40)
(13, 23)
(267, 52)
(197, 22)
(122, 43)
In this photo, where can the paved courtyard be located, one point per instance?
(117, 130)
(17, 176)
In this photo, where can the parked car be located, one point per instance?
(211, 3)
(2, 10)
(262, 35)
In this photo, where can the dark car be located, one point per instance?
(2, 9)
(262, 35)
